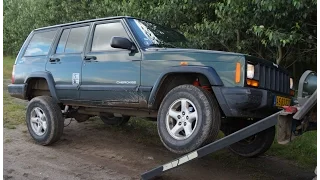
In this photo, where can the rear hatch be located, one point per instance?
(270, 76)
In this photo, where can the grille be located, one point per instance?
(272, 78)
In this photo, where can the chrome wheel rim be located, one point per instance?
(181, 119)
(38, 121)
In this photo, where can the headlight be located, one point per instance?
(291, 83)
(250, 71)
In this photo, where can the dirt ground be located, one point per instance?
(92, 151)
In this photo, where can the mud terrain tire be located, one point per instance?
(204, 119)
(44, 120)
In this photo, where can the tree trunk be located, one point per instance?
(261, 51)
(238, 40)
(279, 58)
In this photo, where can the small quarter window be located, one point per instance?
(40, 43)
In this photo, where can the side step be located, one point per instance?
(215, 146)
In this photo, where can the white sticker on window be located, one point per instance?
(75, 78)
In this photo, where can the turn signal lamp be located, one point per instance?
(252, 82)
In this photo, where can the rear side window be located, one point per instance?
(103, 34)
(72, 40)
(40, 43)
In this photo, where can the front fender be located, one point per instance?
(207, 71)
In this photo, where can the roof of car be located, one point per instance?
(84, 21)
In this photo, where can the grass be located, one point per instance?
(13, 111)
(137, 128)
(7, 66)
(302, 151)
(8, 140)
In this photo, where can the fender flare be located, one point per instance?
(48, 77)
(207, 71)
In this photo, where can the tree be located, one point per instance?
(270, 29)
(282, 31)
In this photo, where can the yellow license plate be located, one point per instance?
(282, 101)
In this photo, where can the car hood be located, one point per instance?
(186, 50)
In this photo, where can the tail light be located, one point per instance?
(12, 76)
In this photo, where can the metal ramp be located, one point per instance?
(293, 116)
(215, 146)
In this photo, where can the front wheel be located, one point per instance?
(254, 145)
(188, 118)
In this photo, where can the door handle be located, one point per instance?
(54, 60)
(88, 58)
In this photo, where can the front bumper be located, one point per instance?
(246, 102)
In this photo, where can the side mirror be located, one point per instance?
(122, 43)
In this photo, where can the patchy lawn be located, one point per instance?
(13, 110)
(303, 150)
(7, 66)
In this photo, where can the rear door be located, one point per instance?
(109, 74)
(66, 60)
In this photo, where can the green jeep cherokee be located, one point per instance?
(119, 67)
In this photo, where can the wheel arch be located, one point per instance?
(45, 76)
(208, 75)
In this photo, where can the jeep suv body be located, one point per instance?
(119, 67)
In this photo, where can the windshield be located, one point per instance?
(153, 35)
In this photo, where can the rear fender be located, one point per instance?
(48, 77)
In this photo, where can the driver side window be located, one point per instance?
(103, 34)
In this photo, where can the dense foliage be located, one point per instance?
(283, 31)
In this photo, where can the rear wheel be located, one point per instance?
(254, 145)
(188, 118)
(44, 120)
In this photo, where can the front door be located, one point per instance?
(109, 75)
(66, 60)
